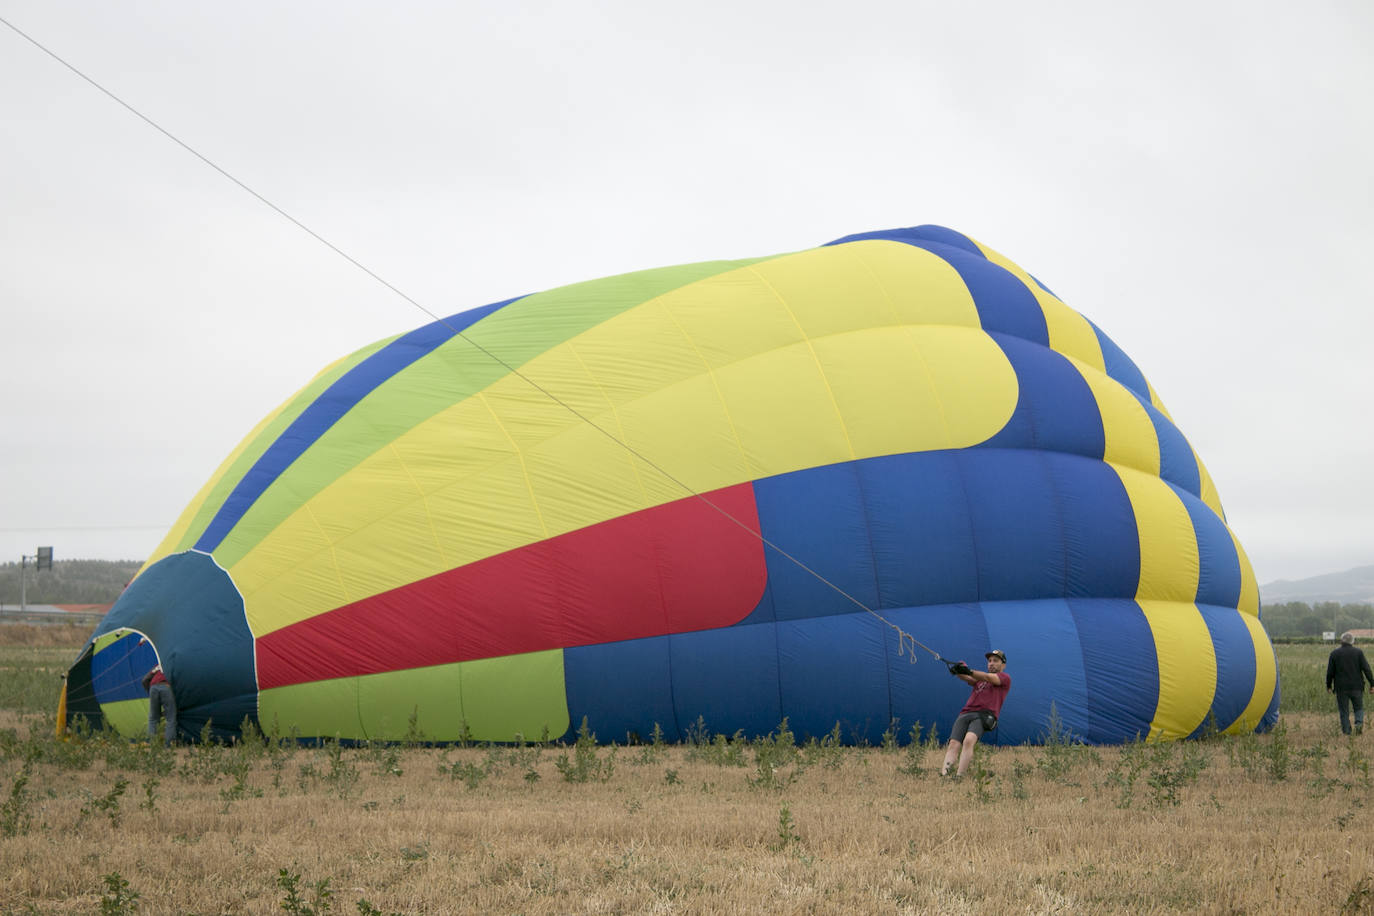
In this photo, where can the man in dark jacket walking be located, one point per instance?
(1347, 670)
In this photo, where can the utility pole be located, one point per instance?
(41, 560)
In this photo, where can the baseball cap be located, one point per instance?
(997, 652)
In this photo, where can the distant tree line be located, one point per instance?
(101, 581)
(1294, 619)
(69, 582)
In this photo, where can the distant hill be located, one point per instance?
(69, 582)
(1354, 586)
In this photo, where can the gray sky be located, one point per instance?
(1193, 177)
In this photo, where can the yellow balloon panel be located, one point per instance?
(1187, 668)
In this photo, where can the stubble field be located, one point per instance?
(1273, 823)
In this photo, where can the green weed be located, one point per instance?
(386, 758)
(1062, 751)
(203, 761)
(1174, 766)
(716, 749)
(76, 750)
(916, 749)
(696, 734)
(1356, 764)
(149, 802)
(306, 777)
(1270, 756)
(1360, 899)
(1279, 753)
(15, 818)
(1130, 763)
(342, 775)
(321, 895)
(251, 743)
(1020, 770)
(777, 761)
(586, 765)
(982, 779)
(653, 751)
(107, 804)
(118, 899)
(9, 743)
(239, 790)
(890, 742)
(828, 751)
(470, 774)
(787, 829)
(279, 752)
(415, 735)
(1319, 784)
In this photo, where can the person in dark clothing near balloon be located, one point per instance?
(1347, 670)
(162, 704)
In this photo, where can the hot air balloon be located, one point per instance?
(721, 493)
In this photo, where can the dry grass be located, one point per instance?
(1199, 827)
(49, 635)
(852, 832)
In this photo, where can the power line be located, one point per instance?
(83, 528)
(905, 641)
(205, 159)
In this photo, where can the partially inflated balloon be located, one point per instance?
(709, 494)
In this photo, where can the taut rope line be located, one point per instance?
(906, 642)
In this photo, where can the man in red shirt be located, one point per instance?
(980, 713)
(162, 703)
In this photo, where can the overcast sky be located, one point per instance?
(1193, 177)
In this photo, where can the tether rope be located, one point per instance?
(906, 642)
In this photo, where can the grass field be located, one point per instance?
(1274, 823)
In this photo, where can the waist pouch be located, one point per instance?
(989, 720)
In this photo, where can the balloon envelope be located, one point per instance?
(715, 493)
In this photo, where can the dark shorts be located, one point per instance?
(967, 722)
